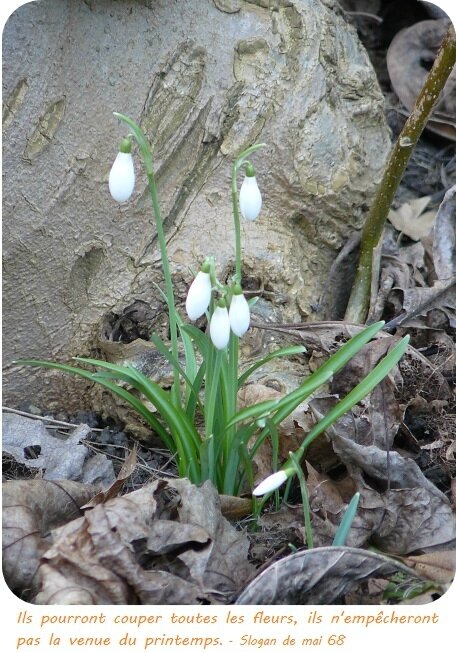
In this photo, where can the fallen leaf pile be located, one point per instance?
(166, 543)
(404, 288)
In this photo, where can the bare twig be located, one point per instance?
(358, 305)
(50, 420)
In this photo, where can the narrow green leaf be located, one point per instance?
(162, 348)
(257, 411)
(346, 522)
(197, 384)
(288, 350)
(201, 340)
(185, 436)
(211, 391)
(246, 469)
(357, 394)
(305, 500)
(139, 407)
(325, 372)
(360, 391)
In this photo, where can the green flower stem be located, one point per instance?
(168, 283)
(358, 305)
(212, 383)
(148, 163)
(237, 223)
(238, 163)
(229, 390)
(305, 500)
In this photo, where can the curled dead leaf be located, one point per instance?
(31, 509)
(409, 59)
(125, 472)
(235, 507)
(317, 576)
(421, 307)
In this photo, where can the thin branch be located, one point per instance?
(358, 305)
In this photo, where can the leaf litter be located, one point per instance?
(166, 543)
(170, 543)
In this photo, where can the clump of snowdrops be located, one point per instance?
(205, 363)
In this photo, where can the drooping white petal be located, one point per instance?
(250, 198)
(239, 314)
(199, 295)
(271, 483)
(219, 328)
(122, 177)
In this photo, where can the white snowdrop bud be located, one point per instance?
(199, 295)
(239, 314)
(249, 196)
(122, 175)
(219, 327)
(271, 483)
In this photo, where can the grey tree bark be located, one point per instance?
(205, 80)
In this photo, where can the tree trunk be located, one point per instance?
(205, 80)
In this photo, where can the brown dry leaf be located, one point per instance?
(380, 413)
(400, 267)
(411, 220)
(166, 543)
(317, 576)
(234, 507)
(326, 495)
(287, 517)
(426, 307)
(438, 566)
(31, 508)
(409, 56)
(412, 515)
(125, 472)
(451, 451)
(444, 246)
(328, 500)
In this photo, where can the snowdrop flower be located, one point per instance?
(271, 483)
(122, 175)
(239, 313)
(199, 294)
(219, 327)
(249, 195)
